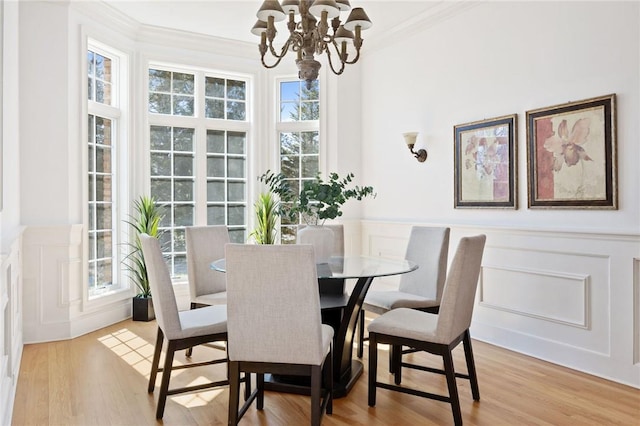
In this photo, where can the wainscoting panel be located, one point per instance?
(571, 298)
(551, 296)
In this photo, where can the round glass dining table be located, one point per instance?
(341, 309)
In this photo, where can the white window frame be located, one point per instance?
(201, 124)
(117, 112)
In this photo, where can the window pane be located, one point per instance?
(183, 83)
(289, 90)
(104, 244)
(161, 190)
(215, 215)
(310, 167)
(91, 69)
(236, 191)
(183, 165)
(179, 243)
(160, 138)
(289, 111)
(103, 216)
(103, 67)
(235, 167)
(215, 191)
(104, 190)
(183, 190)
(236, 89)
(290, 165)
(183, 215)
(183, 139)
(289, 143)
(183, 105)
(236, 143)
(159, 81)
(310, 143)
(236, 111)
(310, 111)
(180, 265)
(160, 164)
(237, 236)
(236, 215)
(104, 272)
(214, 87)
(215, 141)
(214, 108)
(312, 93)
(103, 159)
(215, 167)
(159, 103)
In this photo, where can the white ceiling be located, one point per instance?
(234, 19)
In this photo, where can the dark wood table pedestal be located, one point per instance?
(340, 311)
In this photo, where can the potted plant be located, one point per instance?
(145, 221)
(317, 201)
(267, 208)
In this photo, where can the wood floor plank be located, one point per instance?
(101, 379)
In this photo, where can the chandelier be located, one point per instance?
(308, 37)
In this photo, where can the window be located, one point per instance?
(102, 202)
(299, 139)
(197, 139)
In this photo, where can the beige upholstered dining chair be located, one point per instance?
(182, 330)
(206, 286)
(274, 322)
(420, 289)
(434, 333)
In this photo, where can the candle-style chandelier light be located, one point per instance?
(308, 37)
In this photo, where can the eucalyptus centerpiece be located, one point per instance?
(317, 201)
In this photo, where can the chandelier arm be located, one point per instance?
(283, 51)
(338, 72)
(354, 59)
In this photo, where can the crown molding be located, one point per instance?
(437, 13)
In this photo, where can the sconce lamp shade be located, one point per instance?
(410, 138)
(343, 5)
(343, 34)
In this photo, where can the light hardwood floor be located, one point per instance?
(101, 379)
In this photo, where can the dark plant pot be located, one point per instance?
(143, 309)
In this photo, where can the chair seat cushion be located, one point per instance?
(327, 337)
(211, 299)
(407, 323)
(202, 321)
(380, 302)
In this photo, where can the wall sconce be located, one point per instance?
(410, 139)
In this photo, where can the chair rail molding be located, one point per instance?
(567, 297)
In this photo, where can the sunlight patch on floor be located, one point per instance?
(138, 353)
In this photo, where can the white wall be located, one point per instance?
(561, 285)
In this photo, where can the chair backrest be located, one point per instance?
(204, 245)
(458, 299)
(338, 238)
(164, 299)
(429, 248)
(273, 304)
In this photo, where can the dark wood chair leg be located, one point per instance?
(234, 392)
(156, 361)
(471, 367)
(260, 387)
(373, 368)
(166, 377)
(453, 388)
(247, 386)
(328, 380)
(190, 350)
(361, 335)
(316, 392)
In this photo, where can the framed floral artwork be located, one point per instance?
(485, 163)
(571, 155)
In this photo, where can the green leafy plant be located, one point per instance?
(145, 221)
(318, 199)
(267, 208)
